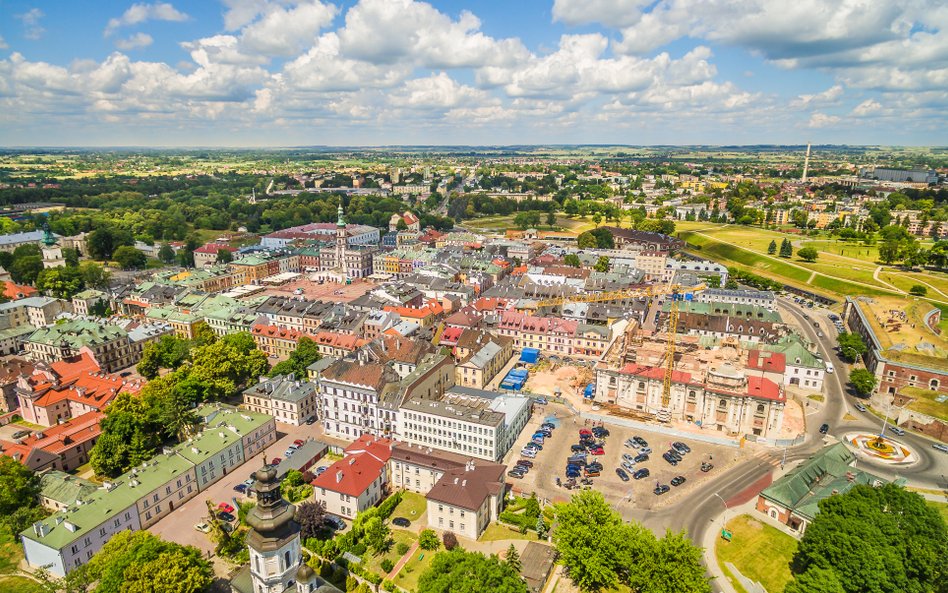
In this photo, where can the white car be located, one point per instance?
(203, 527)
(830, 368)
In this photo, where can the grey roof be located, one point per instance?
(282, 387)
(27, 237)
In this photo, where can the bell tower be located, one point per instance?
(274, 537)
(341, 244)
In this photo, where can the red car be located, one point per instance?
(225, 507)
(276, 461)
(585, 432)
(597, 451)
(299, 442)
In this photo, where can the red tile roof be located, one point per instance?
(213, 248)
(767, 361)
(352, 475)
(764, 389)
(13, 291)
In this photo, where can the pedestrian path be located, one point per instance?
(403, 560)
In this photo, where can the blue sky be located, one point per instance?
(373, 72)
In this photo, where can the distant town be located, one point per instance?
(369, 369)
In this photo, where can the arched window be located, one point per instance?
(933, 384)
(286, 559)
(760, 407)
(722, 403)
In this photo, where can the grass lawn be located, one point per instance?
(816, 397)
(408, 576)
(496, 532)
(411, 507)
(400, 536)
(755, 262)
(844, 270)
(19, 585)
(842, 287)
(10, 551)
(761, 552)
(941, 507)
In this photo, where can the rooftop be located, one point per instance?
(468, 486)
(899, 327)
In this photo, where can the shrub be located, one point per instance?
(401, 548)
(351, 583)
(372, 577)
(386, 508)
(358, 549)
(388, 585)
(363, 588)
(918, 290)
(450, 540)
(387, 565)
(428, 540)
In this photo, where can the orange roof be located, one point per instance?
(13, 291)
(79, 380)
(433, 307)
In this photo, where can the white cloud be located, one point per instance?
(136, 41)
(3, 43)
(830, 95)
(285, 31)
(867, 107)
(140, 13)
(822, 120)
(438, 91)
(610, 13)
(31, 23)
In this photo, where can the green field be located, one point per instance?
(408, 576)
(19, 585)
(497, 532)
(411, 507)
(754, 262)
(762, 553)
(576, 224)
(399, 536)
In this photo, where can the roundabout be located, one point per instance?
(882, 449)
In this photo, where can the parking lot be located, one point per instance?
(550, 462)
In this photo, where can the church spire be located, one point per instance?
(340, 221)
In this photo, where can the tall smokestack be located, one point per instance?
(806, 162)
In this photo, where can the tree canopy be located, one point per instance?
(459, 571)
(851, 346)
(139, 562)
(863, 381)
(305, 354)
(873, 540)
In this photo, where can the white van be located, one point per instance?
(829, 367)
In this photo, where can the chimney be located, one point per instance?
(338, 476)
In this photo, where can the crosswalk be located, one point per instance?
(768, 458)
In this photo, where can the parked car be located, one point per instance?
(629, 458)
(276, 461)
(640, 473)
(548, 426)
(573, 473)
(628, 466)
(640, 441)
(641, 458)
(225, 507)
(645, 451)
(622, 475)
(515, 474)
(597, 451)
(319, 470)
(577, 448)
(240, 488)
(940, 447)
(522, 469)
(289, 453)
(335, 522)
(525, 463)
(585, 431)
(532, 445)
(678, 480)
(226, 517)
(311, 420)
(600, 432)
(591, 474)
(630, 443)
(829, 366)
(530, 453)
(594, 466)
(203, 527)
(896, 430)
(681, 447)
(542, 401)
(299, 442)
(675, 454)
(21, 434)
(860, 407)
(661, 489)
(401, 522)
(824, 428)
(706, 467)
(667, 457)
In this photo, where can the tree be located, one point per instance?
(129, 258)
(772, 248)
(224, 256)
(815, 580)
(585, 241)
(918, 290)
(450, 540)
(875, 540)
(713, 281)
(25, 270)
(863, 381)
(675, 566)
(312, 519)
(131, 434)
(550, 219)
(166, 253)
(851, 346)
(602, 264)
(572, 260)
(428, 540)
(19, 486)
(459, 571)
(513, 558)
(786, 248)
(61, 282)
(306, 353)
(377, 534)
(889, 251)
(105, 240)
(139, 562)
(597, 218)
(169, 352)
(95, 276)
(808, 254)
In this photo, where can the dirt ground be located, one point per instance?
(566, 380)
(329, 291)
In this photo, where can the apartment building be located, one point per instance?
(285, 397)
(765, 299)
(465, 500)
(554, 336)
(358, 481)
(65, 446)
(109, 345)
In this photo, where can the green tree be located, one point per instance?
(918, 290)
(105, 240)
(585, 241)
(377, 534)
(166, 253)
(786, 248)
(305, 354)
(675, 566)
(19, 486)
(862, 381)
(224, 256)
(513, 558)
(851, 346)
(25, 270)
(602, 264)
(713, 281)
(139, 562)
(876, 540)
(131, 433)
(597, 218)
(808, 254)
(815, 580)
(459, 571)
(61, 282)
(889, 251)
(550, 219)
(572, 260)
(95, 276)
(428, 540)
(129, 258)
(312, 519)
(772, 248)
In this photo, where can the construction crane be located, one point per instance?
(664, 414)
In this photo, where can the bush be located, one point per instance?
(387, 565)
(428, 540)
(401, 548)
(358, 550)
(351, 583)
(388, 585)
(450, 540)
(918, 290)
(386, 509)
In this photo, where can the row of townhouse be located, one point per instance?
(554, 336)
(147, 493)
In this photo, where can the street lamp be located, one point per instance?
(726, 509)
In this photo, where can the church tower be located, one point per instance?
(52, 252)
(274, 537)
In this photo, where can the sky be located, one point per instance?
(463, 72)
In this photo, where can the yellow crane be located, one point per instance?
(664, 414)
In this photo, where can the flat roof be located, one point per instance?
(898, 325)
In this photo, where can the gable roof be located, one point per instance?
(468, 486)
(351, 475)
